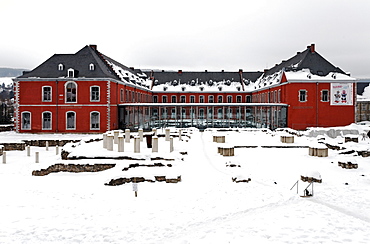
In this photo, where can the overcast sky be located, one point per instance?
(188, 35)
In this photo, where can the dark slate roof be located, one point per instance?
(200, 77)
(308, 59)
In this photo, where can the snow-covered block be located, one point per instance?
(241, 178)
(311, 176)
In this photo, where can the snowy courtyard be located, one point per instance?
(207, 206)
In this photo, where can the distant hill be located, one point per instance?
(10, 72)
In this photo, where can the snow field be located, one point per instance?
(206, 207)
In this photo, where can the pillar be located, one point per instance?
(28, 150)
(155, 144)
(171, 144)
(180, 135)
(104, 140)
(56, 150)
(127, 135)
(141, 134)
(121, 144)
(110, 138)
(37, 157)
(115, 134)
(47, 145)
(167, 134)
(136, 144)
(4, 157)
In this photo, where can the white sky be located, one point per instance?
(188, 35)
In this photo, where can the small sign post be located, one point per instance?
(134, 188)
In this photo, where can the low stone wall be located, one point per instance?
(236, 180)
(310, 179)
(52, 143)
(146, 165)
(73, 168)
(347, 165)
(14, 146)
(121, 181)
(351, 139)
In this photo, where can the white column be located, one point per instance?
(141, 134)
(47, 145)
(4, 157)
(37, 157)
(116, 134)
(121, 144)
(180, 135)
(155, 144)
(167, 134)
(171, 144)
(110, 142)
(127, 135)
(136, 144)
(104, 140)
(56, 150)
(28, 150)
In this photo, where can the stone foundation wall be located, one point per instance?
(14, 146)
(121, 181)
(73, 168)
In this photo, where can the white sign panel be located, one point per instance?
(341, 94)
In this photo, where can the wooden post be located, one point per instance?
(28, 151)
(135, 187)
(37, 158)
(56, 150)
(4, 157)
(47, 145)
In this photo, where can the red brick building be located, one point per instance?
(90, 92)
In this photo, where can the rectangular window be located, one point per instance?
(324, 96)
(248, 99)
(71, 92)
(192, 99)
(182, 99)
(201, 99)
(201, 113)
(46, 121)
(164, 99)
(173, 99)
(26, 121)
(71, 121)
(219, 99)
(155, 99)
(122, 95)
(229, 99)
(94, 93)
(302, 95)
(210, 99)
(173, 113)
(46, 94)
(94, 121)
(238, 99)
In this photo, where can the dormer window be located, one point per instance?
(91, 66)
(60, 67)
(71, 73)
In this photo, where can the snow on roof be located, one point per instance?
(365, 95)
(313, 174)
(305, 74)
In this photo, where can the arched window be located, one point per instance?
(71, 73)
(94, 93)
(26, 121)
(46, 120)
(60, 67)
(71, 92)
(94, 120)
(71, 120)
(46, 93)
(91, 66)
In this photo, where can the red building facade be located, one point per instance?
(89, 92)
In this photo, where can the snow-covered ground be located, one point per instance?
(205, 207)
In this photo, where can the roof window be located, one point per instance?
(91, 66)
(71, 73)
(60, 67)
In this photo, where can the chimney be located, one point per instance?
(132, 68)
(94, 47)
(240, 71)
(312, 48)
(180, 71)
(265, 70)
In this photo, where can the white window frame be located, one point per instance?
(211, 100)
(155, 99)
(91, 67)
(42, 120)
(238, 99)
(66, 93)
(43, 92)
(201, 99)
(73, 73)
(305, 95)
(91, 94)
(30, 122)
(74, 121)
(229, 99)
(192, 99)
(182, 99)
(327, 97)
(164, 97)
(60, 67)
(91, 124)
(173, 99)
(220, 99)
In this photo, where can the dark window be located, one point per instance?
(164, 99)
(155, 99)
(173, 99)
(219, 99)
(238, 99)
(26, 120)
(46, 94)
(71, 91)
(229, 99)
(201, 99)
(325, 96)
(302, 95)
(94, 94)
(46, 121)
(71, 121)
(248, 99)
(94, 121)
(192, 99)
(210, 99)
(182, 99)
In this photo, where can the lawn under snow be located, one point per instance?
(205, 207)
